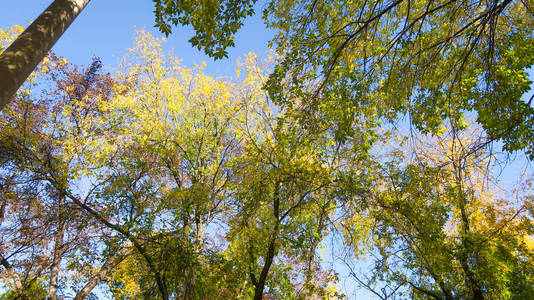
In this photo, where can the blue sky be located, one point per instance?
(106, 28)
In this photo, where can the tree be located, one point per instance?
(428, 60)
(185, 162)
(283, 206)
(439, 229)
(282, 199)
(203, 174)
(43, 230)
(172, 169)
(179, 174)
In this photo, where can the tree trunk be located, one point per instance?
(23, 55)
(58, 250)
(271, 250)
(468, 250)
(258, 291)
(198, 246)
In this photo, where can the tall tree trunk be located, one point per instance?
(23, 55)
(58, 250)
(190, 283)
(468, 250)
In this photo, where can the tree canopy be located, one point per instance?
(432, 61)
(363, 153)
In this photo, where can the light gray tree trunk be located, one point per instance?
(58, 250)
(23, 55)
